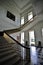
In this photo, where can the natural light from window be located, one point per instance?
(31, 37)
(22, 37)
(30, 16)
(22, 42)
(22, 20)
(42, 31)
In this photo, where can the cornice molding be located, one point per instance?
(26, 6)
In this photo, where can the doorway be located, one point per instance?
(31, 37)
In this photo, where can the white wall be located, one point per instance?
(38, 33)
(6, 23)
(38, 27)
(14, 35)
(38, 6)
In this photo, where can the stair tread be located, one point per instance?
(5, 45)
(9, 51)
(8, 54)
(8, 57)
(3, 49)
(13, 61)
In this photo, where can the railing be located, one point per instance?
(21, 27)
(26, 47)
(21, 44)
(18, 42)
(20, 49)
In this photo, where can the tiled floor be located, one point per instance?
(36, 56)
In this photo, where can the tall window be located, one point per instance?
(22, 37)
(30, 16)
(32, 37)
(22, 20)
(42, 31)
(22, 49)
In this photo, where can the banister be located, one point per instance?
(20, 43)
(17, 41)
(21, 27)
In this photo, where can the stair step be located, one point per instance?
(5, 49)
(12, 61)
(3, 40)
(6, 53)
(3, 56)
(4, 46)
(7, 57)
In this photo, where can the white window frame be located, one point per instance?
(22, 20)
(42, 32)
(32, 37)
(30, 16)
(22, 38)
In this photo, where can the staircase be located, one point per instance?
(8, 55)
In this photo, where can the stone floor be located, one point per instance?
(36, 56)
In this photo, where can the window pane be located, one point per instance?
(30, 16)
(42, 31)
(22, 37)
(22, 20)
(31, 37)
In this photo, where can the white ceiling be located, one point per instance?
(15, 7)
(21, 3)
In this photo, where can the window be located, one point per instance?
(22, 20)
(10, 16)
(42, 31)
(22, 49)
(30, 16)
(22, 37)
(31, 37)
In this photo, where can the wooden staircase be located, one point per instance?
(8, 55)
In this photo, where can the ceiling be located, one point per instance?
(15, 7)
(21, 3)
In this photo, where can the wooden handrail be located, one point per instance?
(20, 43)
(17, 41)
(21, 27)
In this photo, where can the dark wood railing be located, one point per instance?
(21, 27)
(17, 42)
(21, 44)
